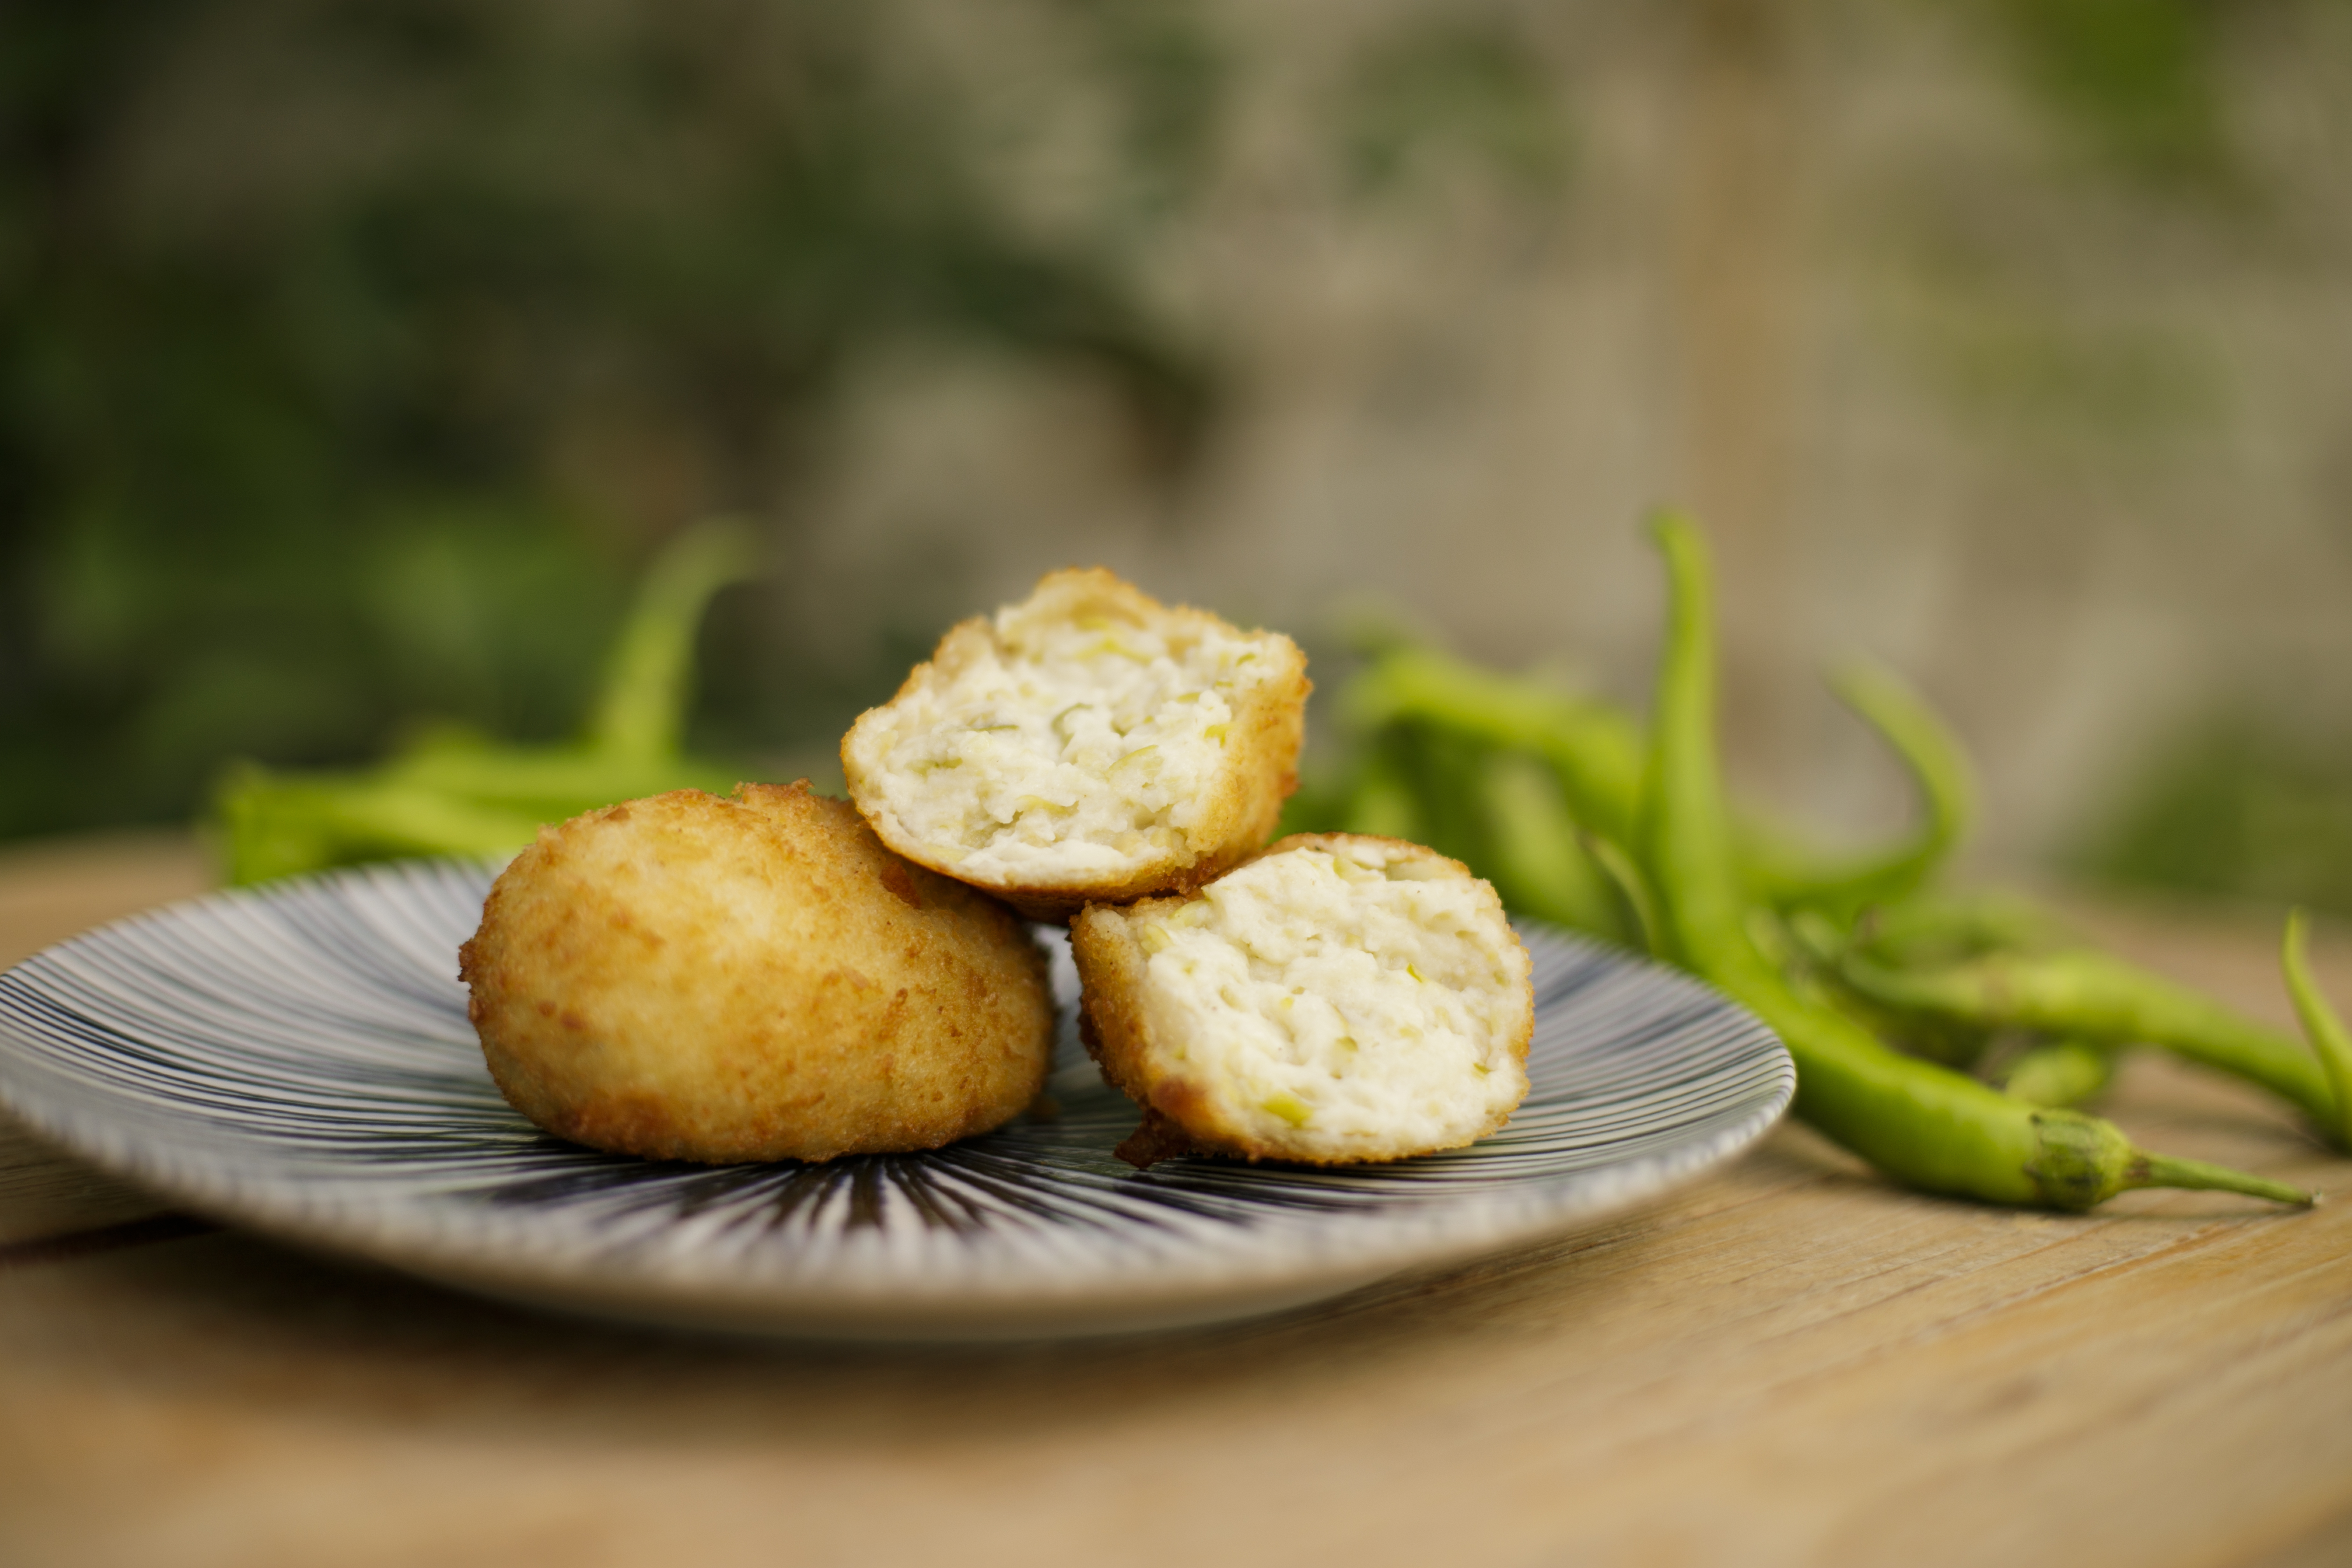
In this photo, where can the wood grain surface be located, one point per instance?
(1787, 1364)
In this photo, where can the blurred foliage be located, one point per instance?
(2236, 807)
(350, 351)
(2048, 380)
(1459, 88)
(2031, 307)
(2138, 82)
(1172, 78)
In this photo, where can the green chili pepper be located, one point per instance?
(1637, 909)
(1923, 1124)
(1502, 811)
(1595, 748)
(455, 794)
(1597, 751)
(1383, 803)
(1784, 876)
(1536, 859)
(1820, 947)
(2063, 1072)
(642, 712)
(2320, 1024)
(541, 781)
(1365, 796)
(1947, 928)
(1445, 776)
(274, 826)
(2090, 997)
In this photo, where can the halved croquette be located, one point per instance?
(1087, 744)
(1339, 997)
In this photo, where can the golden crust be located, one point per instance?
(1262, 750)
(1177, 1113)
(757, 978)
(1112, 965)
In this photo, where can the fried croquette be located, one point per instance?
(690, 977)
(1336, 998)
(1089, 744)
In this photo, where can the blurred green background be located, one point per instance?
(356, 355)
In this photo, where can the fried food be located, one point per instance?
(691, 977)
(1336, 998)
(1089, 744)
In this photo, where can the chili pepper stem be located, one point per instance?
(2321, 1025)
(2163, 1171)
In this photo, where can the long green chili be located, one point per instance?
(1945, 928)
(1594, 747)
(1637, 910)
(2087, 996)
(1820, 945)
(2320, 1024)
(460, 794)
(1922, 1124)
(1787, 876)
(641, 711)
(1538, 864)
(1382, 803)
(2062, 1072)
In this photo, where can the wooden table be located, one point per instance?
(1787, 1363)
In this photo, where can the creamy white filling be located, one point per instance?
(1344, 996)
(1065, 748)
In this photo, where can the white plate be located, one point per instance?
(296, 1059)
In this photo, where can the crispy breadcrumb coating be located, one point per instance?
(696, 978)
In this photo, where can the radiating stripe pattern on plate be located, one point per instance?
(301, 1054)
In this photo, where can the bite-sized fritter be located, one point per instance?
(691, 977)
(1089, 744)
(1336, 998)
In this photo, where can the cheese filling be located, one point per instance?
(1336, 1000)
(1061, 747)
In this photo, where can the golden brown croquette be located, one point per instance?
(757, 978)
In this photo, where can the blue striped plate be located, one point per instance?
(296, 1058)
